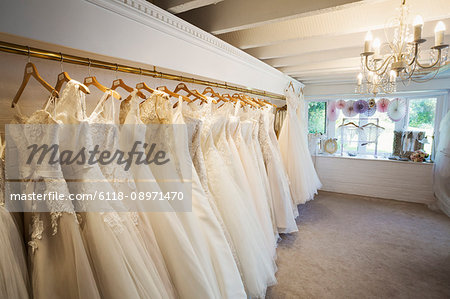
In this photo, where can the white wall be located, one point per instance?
(136, 31)
(398, 180)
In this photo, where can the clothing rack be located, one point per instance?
(58, 56)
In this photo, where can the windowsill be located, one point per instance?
(369, 158)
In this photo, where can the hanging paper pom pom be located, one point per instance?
(382, 105)
(361, 106)
(332, 111)
(397, 109)
(372, 103)
(340, 104)
(370, 111)
(349, 110)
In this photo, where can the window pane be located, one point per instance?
(317, 117)
(421, 118)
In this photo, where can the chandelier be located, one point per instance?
(381, 71)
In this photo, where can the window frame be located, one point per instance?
(442, 106)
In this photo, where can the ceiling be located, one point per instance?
(315, 42)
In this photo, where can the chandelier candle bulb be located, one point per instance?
(376, 48)
(368, 42)
(439, 34)
(418, 25)
(360, 77)
(392, 76)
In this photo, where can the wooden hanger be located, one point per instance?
(173, 94)
(291, 86)
(268, 103)
(91, 80)
(350, 123)
(233, 99)
(31, 71)
(373, 124)
(242, 98)
(209, 90)
(64, 77)
(193, 93)
(144, 86)
(119, 83)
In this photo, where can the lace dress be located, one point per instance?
(106, 134)
(279, 184)
(179, 255)
(258, 267)
(14, 281)
(249, 180)
(303, 178)
(117, 260)
(59, 264)
(158, 110)
(224, 265)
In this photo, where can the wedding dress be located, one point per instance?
(59, 264)
(279, 184)
(258, 267)
(180, 257)
(14, 282)
(225, 267)
(303, 178)
(107, 133)
(243, 169)
(157, 110)
(119, 261)
(441, 166)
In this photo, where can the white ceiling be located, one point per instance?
(313, 41)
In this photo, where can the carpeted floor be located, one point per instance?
(358, 247)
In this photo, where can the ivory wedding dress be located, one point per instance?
(303, 178)
(180, 257)
(243, 169)
(279, 184)
(14, 282)
(121, 267)
(59, 264)
(106, 131)
(258, 267)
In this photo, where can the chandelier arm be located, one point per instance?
(426, 80)
(416, 52)
(431, 65)
(381, 67)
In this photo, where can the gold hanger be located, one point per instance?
(373, 124)
(91, 80)
(349, 123)
(31, 71)
(172, 94)
(233, 99)
(190, 93)
(64, 77)
(119, 83)
(209, 90)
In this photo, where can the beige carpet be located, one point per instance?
(358, 247)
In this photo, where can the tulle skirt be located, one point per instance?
(303, 178)
(13, 269)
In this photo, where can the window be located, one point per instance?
(317, 117)
(422, 114)
(420, 117)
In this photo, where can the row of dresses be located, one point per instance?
(225, 248)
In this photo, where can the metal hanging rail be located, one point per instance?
(50, 55)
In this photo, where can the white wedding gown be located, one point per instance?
(303, 178)
(179, 254)
(257, 264)
(279, 184)
(14, 282)
(121, 265)
(59, 264)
